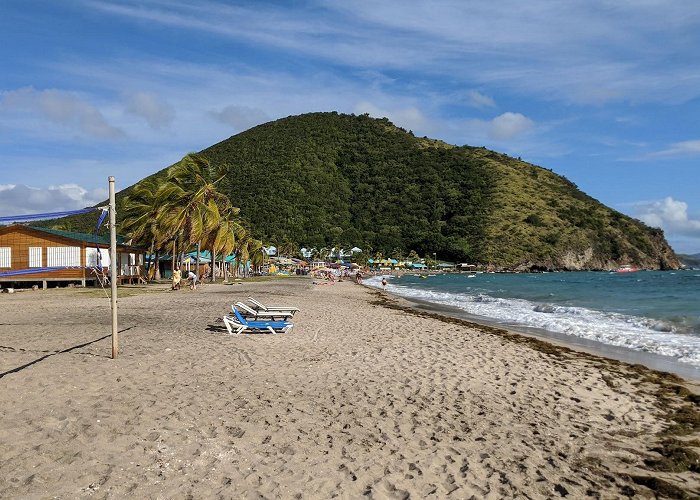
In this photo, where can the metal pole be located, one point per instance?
(113, 265)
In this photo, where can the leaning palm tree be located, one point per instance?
(255, 252)
(222, 239)
(248, 251)
(141, 208)
(191, 203)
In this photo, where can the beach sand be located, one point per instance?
(362, 398)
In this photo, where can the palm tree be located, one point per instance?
(413, 256)
(323, 253)
(141, 209)
(191, 204)
(287, 248)
(222, 240)
(243, 248)
(255, 251)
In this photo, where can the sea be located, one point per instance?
(646, 317)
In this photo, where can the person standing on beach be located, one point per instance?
(177, 276)
(383, 283)
(193, 280)
(358, 277)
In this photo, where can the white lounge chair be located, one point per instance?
(249, 312)
(262, 307)
(237, 324)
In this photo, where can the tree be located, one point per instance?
(255, 252)
(222, 239)
(191, 204)
(413, 256)
(141, 209)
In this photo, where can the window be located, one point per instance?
(5, 257)
(63, 256)
(34, 256)
(91, 257)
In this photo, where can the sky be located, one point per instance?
(603, 92)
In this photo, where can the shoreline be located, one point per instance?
(652, 361)
(363, 397)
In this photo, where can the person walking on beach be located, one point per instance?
(177, 277)
(193, 280)
(358, 277)
(383, 283)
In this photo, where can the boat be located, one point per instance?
(627, 269)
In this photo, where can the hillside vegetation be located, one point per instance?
(327, 179)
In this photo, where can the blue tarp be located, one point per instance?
(35, 270)
(48, 215)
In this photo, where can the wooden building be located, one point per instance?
(40, 255)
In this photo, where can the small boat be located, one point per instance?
(627, 269)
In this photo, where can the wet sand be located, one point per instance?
(363, 397)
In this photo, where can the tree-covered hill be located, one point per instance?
(328, 179)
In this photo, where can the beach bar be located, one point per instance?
(37, 255)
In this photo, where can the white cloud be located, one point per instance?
(506, 127)
(670, 215)
(151, 107)
(478, 100)
(62, 108)
(19, 199)
(409, 118)
(241, 117)
(685, 148)
(510, 125)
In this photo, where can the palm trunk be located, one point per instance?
(197, 268)
(156, 274)
(213, 266)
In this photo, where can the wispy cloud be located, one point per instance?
(150, 107)
(240, 117)
(684, 148)
(589, 52)
(478, 100)
(60, 107)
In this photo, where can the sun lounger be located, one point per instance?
(262, 315)
(262, 307)
(237, 324)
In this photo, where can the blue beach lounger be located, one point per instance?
(237, 324)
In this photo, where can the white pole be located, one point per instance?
(113, 265)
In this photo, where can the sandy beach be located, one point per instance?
(363, 398)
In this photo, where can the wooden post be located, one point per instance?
(113, 271)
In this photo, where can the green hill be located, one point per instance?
(327, 179)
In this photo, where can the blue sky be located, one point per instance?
(604, 92)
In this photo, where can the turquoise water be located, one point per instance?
(649, 311)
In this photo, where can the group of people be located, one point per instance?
(177, 278)
(358, 279)
(192, 278)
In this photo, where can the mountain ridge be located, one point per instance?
(330, 179)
